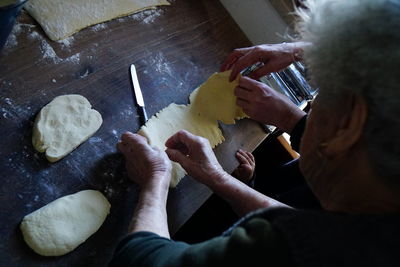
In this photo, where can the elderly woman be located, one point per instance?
(349, 154)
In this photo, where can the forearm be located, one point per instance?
(150, 213)
(242, 198)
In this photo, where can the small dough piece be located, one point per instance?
(64, 124)
(62, 18)
(213, 101)
(64, 224)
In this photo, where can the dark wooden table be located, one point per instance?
(175, 49)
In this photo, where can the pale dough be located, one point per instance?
(64, 124)
(213, 101)
(62, 18)
(64, 224)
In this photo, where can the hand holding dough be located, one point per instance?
(64, 124)
(213, 101)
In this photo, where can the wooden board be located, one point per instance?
(175, 49)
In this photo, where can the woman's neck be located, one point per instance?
(357, 189)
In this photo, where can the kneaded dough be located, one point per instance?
(64, 224)
(213, 101)
(62, 18)
(63, 124)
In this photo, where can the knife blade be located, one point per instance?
(138, 94)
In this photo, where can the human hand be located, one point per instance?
(146, 165)
(245, 171)
(275, 57)
(195, 155)
(267, 106)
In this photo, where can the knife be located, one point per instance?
(138, 94)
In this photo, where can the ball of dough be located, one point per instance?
(63, 124)
(64, 224)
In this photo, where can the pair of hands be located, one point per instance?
(257, 100)
(149, 166)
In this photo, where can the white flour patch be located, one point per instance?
(147, 16)
(6, 113)
(54, 80)
(10, 110)
(127, 112)
(85, 74)
(74, 59)
(95, 140)
(99, 27)
(160, 64)
(67, 42)
(17, 30)
(48, 52)
(33, 35)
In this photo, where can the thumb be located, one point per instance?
(177, 156)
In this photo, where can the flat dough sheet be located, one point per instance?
(213, 101)
(62, 18)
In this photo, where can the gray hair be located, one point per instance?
(356, 50)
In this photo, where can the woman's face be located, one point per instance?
(320, 126)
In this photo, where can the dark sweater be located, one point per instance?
(277, 237)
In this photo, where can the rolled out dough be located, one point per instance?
(62, 18)
(64, 124)
(213, 101)
(64, 224)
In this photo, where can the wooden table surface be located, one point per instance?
(175, 49)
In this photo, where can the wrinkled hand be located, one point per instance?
(146, 165)
(195, 155)
(245, 171)
(267, 106)
(275, 57)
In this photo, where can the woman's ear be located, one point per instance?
(350, 128)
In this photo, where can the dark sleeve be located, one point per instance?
(297, 133)
(255, 243)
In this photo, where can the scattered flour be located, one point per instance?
(48, 52)
(160, 64)
(8, 101)
(99, 27)
(85, 74)
(10, 110)
(67, 42)
(127, 112)
(95, 140)
(54, 80)
(17, 29)
(74, 59)
(147, 16)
